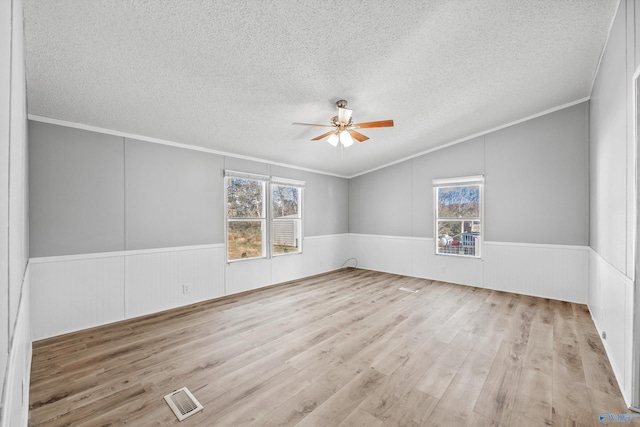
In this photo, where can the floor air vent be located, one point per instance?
(182, 403)
(408, 290)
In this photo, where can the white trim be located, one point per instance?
(326, 236)
(231, 261)
(441, 182)
(96, 129)
(245, 175)
(538, 245)
(475, 135)
(59, 258)
(634, 398)
(288, 182)
(389, 236)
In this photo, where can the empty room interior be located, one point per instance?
(376, 213)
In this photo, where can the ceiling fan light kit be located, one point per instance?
(343, 130)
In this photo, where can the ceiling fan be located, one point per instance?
(343, 129)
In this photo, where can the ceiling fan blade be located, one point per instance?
(324, 135)
(357, 135)
(313, 124)
(379, 124)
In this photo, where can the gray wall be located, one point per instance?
(537, 180)
(174, 197)
(380, 202)
(536, 184)
(76, 191)
(91, 192)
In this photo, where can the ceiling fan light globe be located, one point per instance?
(344, 115)
(346, 139)
(333, 139)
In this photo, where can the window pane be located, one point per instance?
(285, 201)
(458, 237)
(245, 198)
(459, 202)
(286, 236)
(244, 239)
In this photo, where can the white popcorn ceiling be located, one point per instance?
(233, 75)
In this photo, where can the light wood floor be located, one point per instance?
(346, 348)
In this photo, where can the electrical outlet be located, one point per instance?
(185, 289)
(443, 270)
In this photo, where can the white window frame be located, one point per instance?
(284, 182)
(266, 219)
(459, 182)
(263, 219)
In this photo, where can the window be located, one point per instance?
(246, 218)
(250, 222)
(458, 216)
(286, 217)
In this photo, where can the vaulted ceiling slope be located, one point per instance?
(233, 75)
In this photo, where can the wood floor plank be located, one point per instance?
(414, 409)
(396, 386)
(343, 348)
(435, 380)
(457, 403)
(360, 418)
(539, 353)
(339, 406)
(533, 404)
(598, 375)
(500, 387)
(572, 401)
(290, 411)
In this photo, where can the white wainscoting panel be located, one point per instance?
(627, 386)
(389, 254)
(15, 407)
(324, 253)
(548, 271)
(611, 306)
(286, 267)
(454, 269)
(415, 257)
(74, 294)
(420, 253)
(594, 296)
(154, 281)
(246, 275)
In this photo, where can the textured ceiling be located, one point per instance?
(233, 75)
